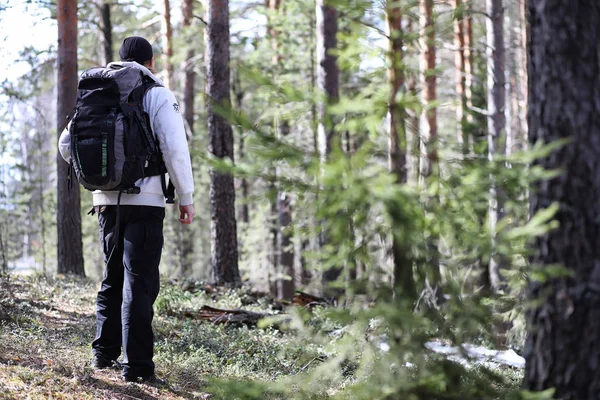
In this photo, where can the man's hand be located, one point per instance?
(186, 214)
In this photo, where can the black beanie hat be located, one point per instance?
(136, 48)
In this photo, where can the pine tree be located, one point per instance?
(496, 125)
(563, 343)
(328, 82)
(68, 216)
(224, 251)
(403, 274)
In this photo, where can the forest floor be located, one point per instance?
(47, 325)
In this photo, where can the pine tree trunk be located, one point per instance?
(468, 52)
(238, 92)
(282, 239)
(397, 115)
(305, 273)
(286, 283)
(106, 27)
(273, 6)
(328, 74)
(496, 126)
(459, 65)
(522, 72)
(414, 119)
(224, 251)
(563, 345)
(68, 213)
(403, 275)
(514, 136)
(186, 236)
(429, 132)
(328, 78)
(3, 258)
(167, 43)
(190, 75)
(428, 83)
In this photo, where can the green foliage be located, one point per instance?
(374, 345)
(380, 351)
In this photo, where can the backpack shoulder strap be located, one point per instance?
(137, 94)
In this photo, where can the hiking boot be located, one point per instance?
(102, 362)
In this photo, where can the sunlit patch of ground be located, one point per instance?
(45, 332)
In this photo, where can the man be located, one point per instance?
(131, 277)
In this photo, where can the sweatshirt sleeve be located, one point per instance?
(167, 125)
(64, 144)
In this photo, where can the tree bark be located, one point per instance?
(468, 52)
(397, 115)
(224, 251)
(167, 39)
(305, 273)
(186, 242)
(403, 275)
(3, 258)
(328, 78)
(428, 83)
(190, 75)
(328, 75)
(496, 126)
(429, 134)
(68, 213)
(563, 345)
(414, 119)
(286, 284)
(459, 65)
(106, 27)
(521, 74)
(283, 251)
(238, 92)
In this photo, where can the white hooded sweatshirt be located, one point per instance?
(167, 125)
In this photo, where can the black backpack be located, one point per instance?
(112, 145)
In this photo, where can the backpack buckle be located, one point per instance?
(133, 190)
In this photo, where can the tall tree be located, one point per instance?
(563, 343)
(403, 275)
(459, 65)
(468, 62)
(273, 8)
(167, 44)
(190, 75)
(186, 239)
(428, 83)
(224, 249)
(239, 92)
(414, 117)
(328, 82)
(286, 282)
(496, 124)
(520, 73)
(68, 216)
(106, 31)
(429, 131)
(282, 205)
(328, 74)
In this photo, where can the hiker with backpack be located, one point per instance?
(125, 136)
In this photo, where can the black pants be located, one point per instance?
(130, 286)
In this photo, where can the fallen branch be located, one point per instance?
(224, 316)
(308, 300)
